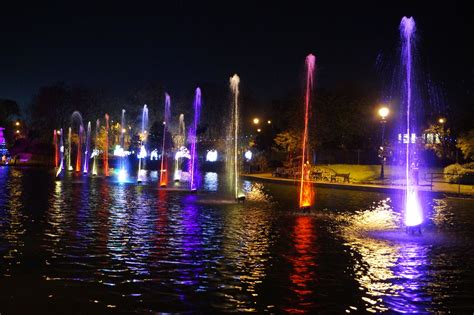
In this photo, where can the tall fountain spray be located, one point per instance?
(143, 136)
(164, 162)
(106, 146)
(69, 148)
(122, 171)
(78, 117)
(61, 152)
(96, 144)
(413, 211)
(56, 149)
(88, 148)
(232, 149)
(79, 149)
(180, 141)
(306, 188)
(194, 176)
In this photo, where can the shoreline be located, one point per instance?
(364, 187)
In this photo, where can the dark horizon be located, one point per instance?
(187, 45)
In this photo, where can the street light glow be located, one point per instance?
(383, 112)
(17, 123)
(256, 121)
(123, 130)
(269, 122)
(258, 130)
(441, 120)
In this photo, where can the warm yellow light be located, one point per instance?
(441, 120)
(124, 130)
(258, 130)
(269, 122)
(17, 123)
(256, 121)
(58, 132)
(18, 131)
(383, 112)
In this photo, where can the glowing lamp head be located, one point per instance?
(383, 112)
(259, 130)
(248, 155)
(256, 121)
(18, 131)
(269, 122)
(441, 120)
(17, 123)
(124, 130)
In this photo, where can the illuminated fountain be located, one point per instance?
(164, 161)
(179, 140)
(60, 151)
(306, 189)
(232, 143)
(413, 211)
(122, 173)
(106, 146)
(193, 168)
(88, 148)
(56, 149)
(95, 153)
(143, 136)
(69, 164)
(77, 116)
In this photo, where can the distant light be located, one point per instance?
(269, 122)
(383, 112)
(183, 152)
(124, 130)
(142, 154)
(441, 120)
(258, 130)
(154, 155)
(211, 156)
(18, 131)
(118, 151)
(248, 155)
(256, 121)
(58, 132)
(17, 123)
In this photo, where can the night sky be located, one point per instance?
(185, 44)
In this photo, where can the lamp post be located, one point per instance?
(383, 113)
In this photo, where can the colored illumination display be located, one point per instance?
(193, 168)
(306, 188)
(413, 211)
(164, 160)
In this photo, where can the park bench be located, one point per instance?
(317, 175)
(344, 176)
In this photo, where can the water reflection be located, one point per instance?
(303, 266)
(391, 269)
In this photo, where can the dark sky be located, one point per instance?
(188, 43)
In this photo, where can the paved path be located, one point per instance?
(441, 188)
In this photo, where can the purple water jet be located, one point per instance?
(413, 211)
(193, 168)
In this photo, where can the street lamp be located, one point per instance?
(17, 123)
(383, 113)
(259, 130)
(442, 120)
(269, 122)
(256, 121)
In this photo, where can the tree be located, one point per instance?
(440, 144)
(288, 141)
(466, 144)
